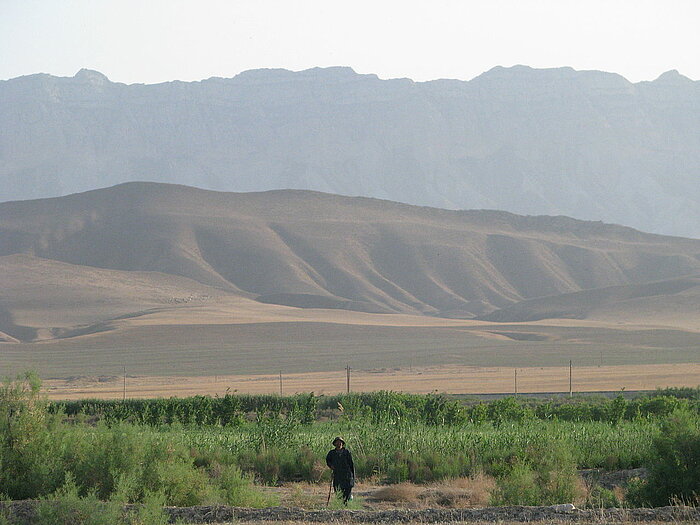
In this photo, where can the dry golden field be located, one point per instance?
(448, 379)
(243, 345)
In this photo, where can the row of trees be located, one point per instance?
(433, 409)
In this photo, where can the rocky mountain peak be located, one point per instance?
(673, 77)
(90, 76)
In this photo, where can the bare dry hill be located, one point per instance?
(45, 299)
(662, 302)
(65, 260)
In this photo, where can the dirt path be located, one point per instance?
(24, 513)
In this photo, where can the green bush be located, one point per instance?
(509, 409)
(266, 465)
(301, 464)
(238, 490)
(545, 476)
(132, 463)
(478, 413)
(151, 512)
(4, 518)
(424, 467)
(602, 498)
(182, 484)
(674, 473)
(80, 465)
(680, 392)
(29, 463)
(98, 457)
(518, 487)
(67, 506)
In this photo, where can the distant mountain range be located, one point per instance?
(70, 264)
(585, 144)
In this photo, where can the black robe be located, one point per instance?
(343, 467)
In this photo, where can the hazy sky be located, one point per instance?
(158, 40)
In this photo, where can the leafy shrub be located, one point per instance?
(602, 498)
(98, 457)
(150, 513)
(509, 409)
(301, 464)
(439, 410)
(274, 428)
(238, 490)
(425, 466)
(659, 406)
(266, 465)
(478, 414)
(5, 518)
(82, 464)
(674, 474)
(181, 484)
(29, 465)
(67, 506)
(126, 461)
(545, 476)
(518, 487)
(615, 410)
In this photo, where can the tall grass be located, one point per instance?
(421, 452)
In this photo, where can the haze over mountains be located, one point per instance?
(585, 144)
(71, 264)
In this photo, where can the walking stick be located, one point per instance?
(329, 490)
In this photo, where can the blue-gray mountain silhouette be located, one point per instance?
(586, 144)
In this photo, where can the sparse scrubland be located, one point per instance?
(442, 451)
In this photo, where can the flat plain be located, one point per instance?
(444, 379)
(243, 346)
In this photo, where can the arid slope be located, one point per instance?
(670, 302)
(71, 260)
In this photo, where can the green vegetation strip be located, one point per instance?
(383, 407)
(202, 450)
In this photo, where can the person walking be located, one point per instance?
(339, 460)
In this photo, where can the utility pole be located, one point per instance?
(347, 370)
(124, 396)
(571, 391)
(516, 382)
(280, 382)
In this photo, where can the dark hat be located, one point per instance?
(338, 439)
